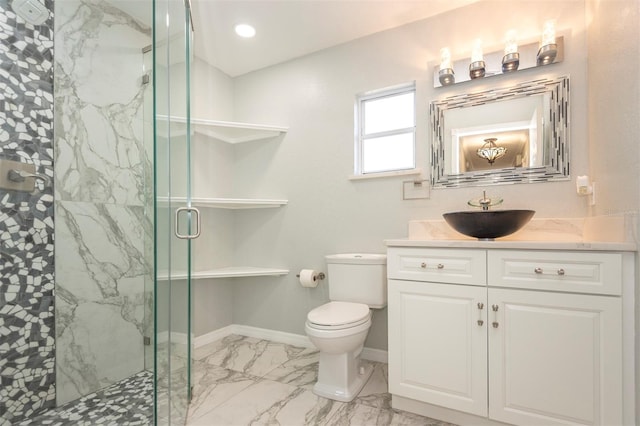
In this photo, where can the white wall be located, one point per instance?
(614, 128)
(614, 101)
(327, 213)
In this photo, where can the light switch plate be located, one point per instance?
(416, 189)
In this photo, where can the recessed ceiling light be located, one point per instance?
(245, 30)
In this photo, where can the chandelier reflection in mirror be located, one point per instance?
(490, 151)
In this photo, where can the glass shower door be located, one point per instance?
(176, 221)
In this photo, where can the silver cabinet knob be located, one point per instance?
(423, 265)
(538, 270)
(440, 266)
(560, 271)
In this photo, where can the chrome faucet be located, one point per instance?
(484, 203)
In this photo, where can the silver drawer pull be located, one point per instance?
(538, 270)
(423, 265)
(480, 308)
(495, 323)
(560, 271)
(440, 266)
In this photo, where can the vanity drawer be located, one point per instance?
(453, 266)
(579, 272)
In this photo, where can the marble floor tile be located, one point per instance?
(252, 356)
(376, 391)
(213, 386)
(213, 347)
(245, 381)
(270, 403)
(354, 414)
(247, 405)
(301, 371)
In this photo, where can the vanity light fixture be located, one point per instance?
(477, 65)
(446, 74)
(548, 47)
(490, 151)
(511, 58)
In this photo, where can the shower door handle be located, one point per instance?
(196, 215)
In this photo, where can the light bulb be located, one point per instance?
(476, 52)
(511, 42)
(548, 33)
(445, 58)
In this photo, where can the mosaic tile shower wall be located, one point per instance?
(27, 344)
(103, 176)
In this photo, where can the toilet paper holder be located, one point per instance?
(320, 276)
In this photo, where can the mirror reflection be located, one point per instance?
(509, 135)
(496, 135)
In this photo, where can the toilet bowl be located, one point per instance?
(338, 330)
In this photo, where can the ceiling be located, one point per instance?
(287, 29)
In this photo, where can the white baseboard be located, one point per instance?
(377, 355)
(292, 339)
(213, 336)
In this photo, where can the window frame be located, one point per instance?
(361, 137)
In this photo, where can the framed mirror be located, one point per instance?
(517, 134)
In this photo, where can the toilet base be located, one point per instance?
(343, 392)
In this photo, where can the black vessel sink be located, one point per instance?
(488, 224)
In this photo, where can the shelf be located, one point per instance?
(229, 131)
(229, 272)
(227, 203)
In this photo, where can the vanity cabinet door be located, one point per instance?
(438, 344)
(554, 359)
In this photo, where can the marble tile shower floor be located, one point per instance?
(128, 402)
(246, 381)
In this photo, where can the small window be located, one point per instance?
(385, 139)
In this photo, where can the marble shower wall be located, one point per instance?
(102, 184)
(27, 345)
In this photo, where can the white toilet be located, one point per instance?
(339, 328)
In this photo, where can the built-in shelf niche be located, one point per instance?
(232, 133)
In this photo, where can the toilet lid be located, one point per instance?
(338, 313)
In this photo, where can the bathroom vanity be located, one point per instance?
(512, 332)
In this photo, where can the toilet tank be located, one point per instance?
(358, 277)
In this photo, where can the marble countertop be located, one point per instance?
(602, 233)
(521, 245)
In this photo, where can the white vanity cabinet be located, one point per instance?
(535, 338)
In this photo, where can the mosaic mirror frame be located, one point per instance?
(557, 120)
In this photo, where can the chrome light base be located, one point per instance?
(547, 54)
(510, 62)
(476, 69)
(446, 76)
